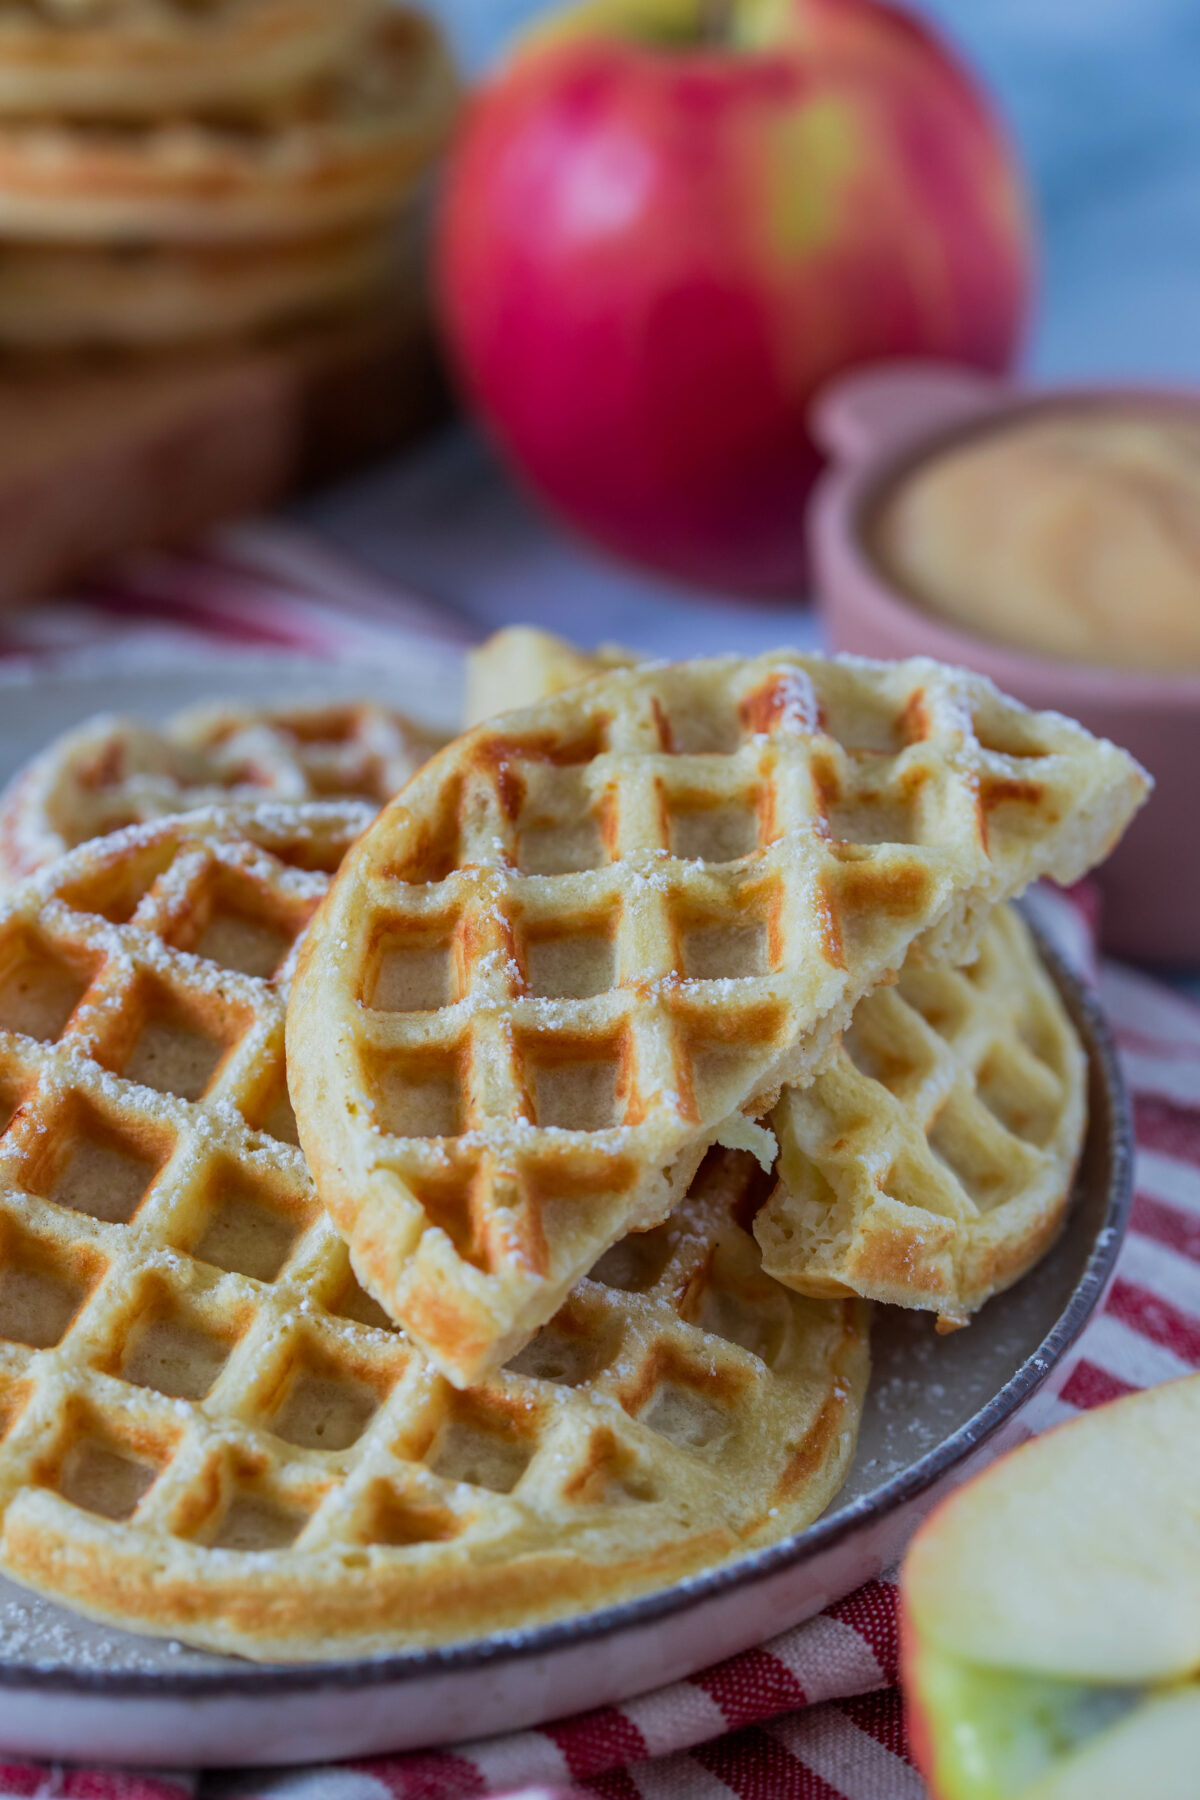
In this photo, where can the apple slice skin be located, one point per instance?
(1050, 1615)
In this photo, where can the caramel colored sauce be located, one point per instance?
(1074, 533)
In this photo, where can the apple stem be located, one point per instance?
(716, 17)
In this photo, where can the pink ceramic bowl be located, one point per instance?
(878, 424)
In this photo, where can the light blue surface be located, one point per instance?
(1104, 96)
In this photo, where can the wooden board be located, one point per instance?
(98, 457)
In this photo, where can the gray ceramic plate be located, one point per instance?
(937, 1408)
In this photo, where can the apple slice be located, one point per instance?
(1050, 1615)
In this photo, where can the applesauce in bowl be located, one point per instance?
(1071, 532)
(1051, 540)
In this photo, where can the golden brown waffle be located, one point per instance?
(115, 772)
(349, 156)
(521, 664)
(139, 59)
(210, 1431)
(982, 1063)
(931, 1161)
(593, 936)
(57, 297)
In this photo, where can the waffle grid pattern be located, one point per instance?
(930, 1163)
(596, 933)
(209, 1427)
(112, 772)
(347, 153)
(132, 59)
(61, 296)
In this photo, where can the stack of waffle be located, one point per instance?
(173, 171)
(426, 1222)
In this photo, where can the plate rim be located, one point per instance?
(244, 1679)
(412, 656)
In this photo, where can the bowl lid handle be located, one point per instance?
(888, 404)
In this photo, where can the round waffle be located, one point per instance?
(931, 1161)
(115, 772)
(140, 59)
(348, 156)
(56, 297)
(210, 1431)
(593, 936)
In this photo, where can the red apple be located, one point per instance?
(657, 241)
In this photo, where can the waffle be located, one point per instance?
(208, 1428)
(930, 1163)
(589, 939)
(65, 297)
(137, 59)
(348, 157)
(985, 1060)
(115, 772)
(521, 664)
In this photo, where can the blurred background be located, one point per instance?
(546, 312)
(1100, 95)
(1099, 99)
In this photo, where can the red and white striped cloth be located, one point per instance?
(815, 1714)
(258, 587)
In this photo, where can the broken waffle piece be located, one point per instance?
(208, 1430)
(520, 664)
(930, 1163)
(601, 934)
